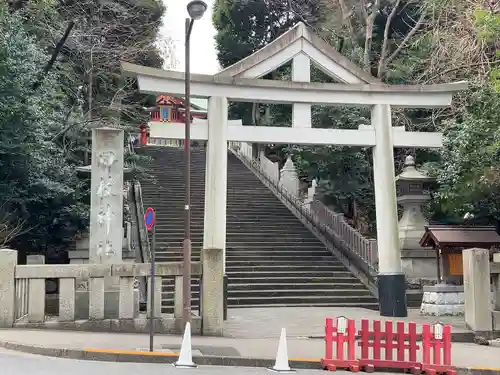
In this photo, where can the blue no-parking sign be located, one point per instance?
(149, 218)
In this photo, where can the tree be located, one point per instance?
(39, 189)
(105, 33)
(400, 42)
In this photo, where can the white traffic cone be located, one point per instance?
(281, 364)
(186, 355)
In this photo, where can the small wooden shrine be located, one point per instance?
(449, 241)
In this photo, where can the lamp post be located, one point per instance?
(196, 9)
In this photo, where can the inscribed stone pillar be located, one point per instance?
(216, 179)
(391, 279)
(8, 263)
(301, 72)
(476, 264)
(106, 202)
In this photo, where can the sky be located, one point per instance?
(203, 53)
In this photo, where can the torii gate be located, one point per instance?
(240, 82)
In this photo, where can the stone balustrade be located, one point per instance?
(23, 295)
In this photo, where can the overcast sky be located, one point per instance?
(203, 54)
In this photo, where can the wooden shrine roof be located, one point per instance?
(439, 236)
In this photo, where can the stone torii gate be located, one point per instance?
(240, 83)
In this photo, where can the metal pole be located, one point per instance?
(186, 276)
(152, 291)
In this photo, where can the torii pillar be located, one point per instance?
(391, 279)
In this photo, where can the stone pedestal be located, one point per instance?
(443, 300)
(420, 266)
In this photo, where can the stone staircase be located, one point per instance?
(271, 258)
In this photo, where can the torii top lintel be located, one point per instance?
(240, 82)
(300, 39)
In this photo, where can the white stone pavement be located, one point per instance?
(249, 333)
(310, 321)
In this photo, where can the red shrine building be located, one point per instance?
(172, 109)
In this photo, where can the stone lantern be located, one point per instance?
(419, 264)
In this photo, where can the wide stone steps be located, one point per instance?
(271, 258)
(323, 287)
(302, 299)
(270, 304)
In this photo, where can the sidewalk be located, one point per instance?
(251, 333)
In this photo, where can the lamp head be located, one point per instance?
(196, 9)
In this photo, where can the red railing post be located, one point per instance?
(342, 331)
(436, 340)
(388, 340)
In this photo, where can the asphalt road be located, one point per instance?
(15, 363)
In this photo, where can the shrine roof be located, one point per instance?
(440, 236)
(300, 32)
(197, 104)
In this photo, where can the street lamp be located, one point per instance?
(196, 9)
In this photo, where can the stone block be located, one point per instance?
(96, 298)
(126, 298)
(67, 299)
(442, 300)
(36, 300)
(8, 262)
(213, 292)
(35, 259)
(476, 264)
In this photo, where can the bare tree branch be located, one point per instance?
(408, 36)
(383, 52)
(369, 21)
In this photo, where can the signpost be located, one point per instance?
(149, 221)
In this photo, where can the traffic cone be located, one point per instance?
(186, 355)
(281, 363)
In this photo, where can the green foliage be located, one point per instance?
(43, 134)
(39, 189)
(487, 25)
(243, 27)
(469, 171)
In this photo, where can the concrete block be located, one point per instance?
(36, 300)
(213, 292)
(35, 259)
(477, 289)
(67, 299)
(8, 263)
(96, 298)
(126, 300)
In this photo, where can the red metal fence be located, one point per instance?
(387, 348)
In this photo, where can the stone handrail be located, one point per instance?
(332, 226)
(29, 300)
(165, 142)
(138, 235)
(352, 239)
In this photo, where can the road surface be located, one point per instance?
(16, 363)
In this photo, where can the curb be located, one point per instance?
(106, 355)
